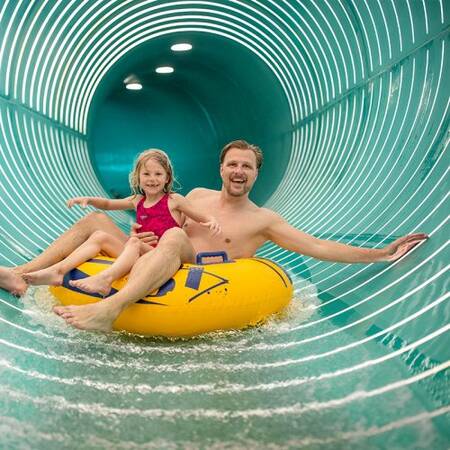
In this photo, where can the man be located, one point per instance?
(245, 227)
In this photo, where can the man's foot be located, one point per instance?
(99, 283)
(50, 276)
(11, 281)
(95, 316)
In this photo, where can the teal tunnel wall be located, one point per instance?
(349, 101)
(191, 113)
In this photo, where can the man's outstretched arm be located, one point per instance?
(290, 238)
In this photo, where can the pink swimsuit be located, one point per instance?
(157, 218)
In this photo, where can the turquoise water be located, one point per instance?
(350, 102)
(297, 382)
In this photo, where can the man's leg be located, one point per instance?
(151, 271)
(98, 242)
(10, 278)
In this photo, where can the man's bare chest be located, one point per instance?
(241, 234)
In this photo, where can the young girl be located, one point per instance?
(157, 209)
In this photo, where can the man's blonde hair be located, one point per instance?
(161, 158)
(243, 145)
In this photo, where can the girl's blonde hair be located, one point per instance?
(161, 158)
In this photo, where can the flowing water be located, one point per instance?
(286, 384)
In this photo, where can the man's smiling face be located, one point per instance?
(238, 171)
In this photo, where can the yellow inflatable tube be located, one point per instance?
(198, 299)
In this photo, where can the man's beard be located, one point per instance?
(235, 194)
(232, 193)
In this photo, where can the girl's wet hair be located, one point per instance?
(161, 158)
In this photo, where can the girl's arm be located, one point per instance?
(183, 205)
(103, 203)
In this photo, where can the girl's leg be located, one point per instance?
(101, 282)
(98, 242)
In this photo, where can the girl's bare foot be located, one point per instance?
(50, 276)
(11, 281)
(95, 316)
(99, 283)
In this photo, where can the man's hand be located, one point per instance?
(213, 226)
(82, 201)
(401, 246)
(148, 237)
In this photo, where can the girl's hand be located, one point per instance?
(82, 201)
(147, 237)
(213, 226)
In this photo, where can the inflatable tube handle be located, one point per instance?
(200, 256)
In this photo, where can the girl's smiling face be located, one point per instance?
(153, 178)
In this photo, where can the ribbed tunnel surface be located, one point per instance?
(349, 100)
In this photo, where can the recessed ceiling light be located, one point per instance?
(164, 69)
(134, 86)
(181, 47)
(132, 83)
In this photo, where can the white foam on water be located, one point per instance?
(39, 302)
